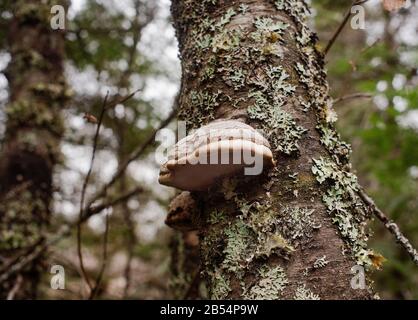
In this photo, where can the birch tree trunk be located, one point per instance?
(31, 143)
(296, 231)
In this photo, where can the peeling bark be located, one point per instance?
(31, 144)
(296, 231)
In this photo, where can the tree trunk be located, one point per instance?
(185, 264)
(296, 231)
(31, 143)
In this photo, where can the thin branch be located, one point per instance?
(97, 209)
(342, 25)
(11, 295)
(14, 192)
(25, 260)
(391, 226)
(83, 192)
(18, 264)
(130, 240)
(370, 46)
(352, 96)
(134, 155)
(104, 262)
(27, 251)
(121, 100)
(39, 248)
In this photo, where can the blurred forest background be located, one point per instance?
(123, 46)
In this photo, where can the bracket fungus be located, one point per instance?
(220, 149)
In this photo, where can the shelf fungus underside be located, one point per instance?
(222, 148)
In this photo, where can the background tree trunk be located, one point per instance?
(296, 231)
(31, 144)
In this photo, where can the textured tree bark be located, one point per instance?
(296, 231)
(185, 266)
(31, 144)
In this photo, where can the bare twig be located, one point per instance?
(352, 96)
(97, 209)
(130, 239)
(28, 250)
(82, 217)
(104, 262)
(11, 295)
(18, 264)
(121, 100)
(353, 63)
(391, 226)
(342, 25)
(83, 192)
(370, 46)
(134, 155)
(26, 259)
(14, 192)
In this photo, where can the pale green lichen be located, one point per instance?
(278, 125)
(303, 293)
(240, 238)
(280, 4)
(201, 107)
(203, 41)
(243, 8)
(226, 40)
(264, 222)
(270, 286)
(266, 24)
(217, 216)
(278, 78)
(271, 244)
(299, 12)
(226, 18)
(298, 224)
(210, 69)
(267, 37)
(220, 287)
(345, 207)
(236, 78)
(320, 262)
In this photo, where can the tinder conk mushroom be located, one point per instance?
(222, 148)
(181, 211)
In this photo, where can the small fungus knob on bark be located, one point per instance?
(181, 211)
(222, 148)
